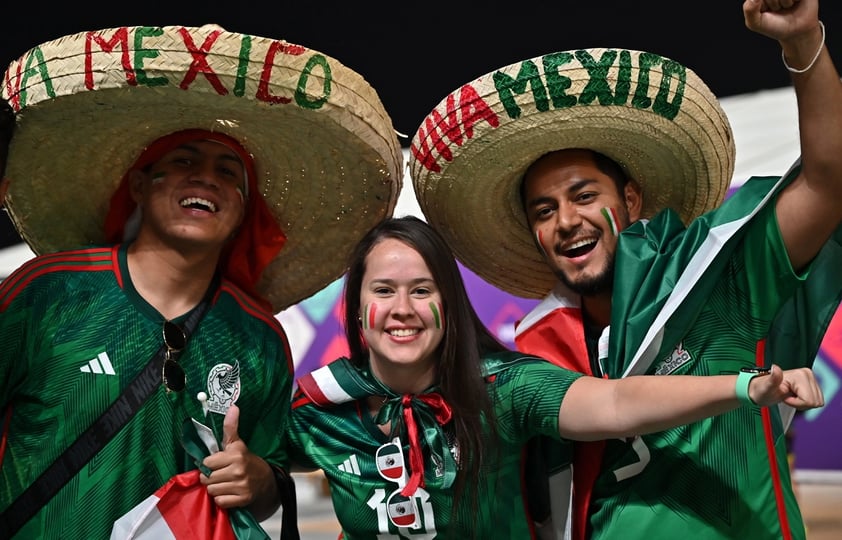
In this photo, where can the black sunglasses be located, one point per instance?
(172, 373)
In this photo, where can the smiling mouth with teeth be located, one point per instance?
(579, 248)
(403, 332)
(198, 204)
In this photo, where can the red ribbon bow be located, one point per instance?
(416, 460)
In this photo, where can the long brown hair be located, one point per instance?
(466, 339)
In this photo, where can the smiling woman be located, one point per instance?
(403, 329)
(422, 429)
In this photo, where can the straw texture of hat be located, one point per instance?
(328, 161)
(652, 115)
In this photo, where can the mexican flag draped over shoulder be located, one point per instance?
(181, 509)
(667, 274)
(657, 296)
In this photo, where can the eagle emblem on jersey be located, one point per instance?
(223, 387)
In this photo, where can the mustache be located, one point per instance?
(592, 236)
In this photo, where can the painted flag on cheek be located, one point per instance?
(368, 316)
(436, 310)
(610, 215)
(540, 240)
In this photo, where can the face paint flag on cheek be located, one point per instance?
(435, 308)
(157, 178)
(611, 217)
(539, 238)
(368, 316)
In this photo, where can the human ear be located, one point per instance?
(633, 198)
(135, 180)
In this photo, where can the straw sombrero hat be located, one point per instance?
(327, 157)
(652, 115)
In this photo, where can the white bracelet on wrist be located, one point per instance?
(812, 62)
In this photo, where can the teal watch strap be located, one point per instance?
(743, 380)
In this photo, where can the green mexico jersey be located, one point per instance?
(711, 479)
(343, 441)
(73, 334)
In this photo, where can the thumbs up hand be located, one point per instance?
(239, 477)
(230, 426)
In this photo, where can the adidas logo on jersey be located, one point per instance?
(101, 365)
(350, 465)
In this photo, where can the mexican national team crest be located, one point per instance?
(223, 387)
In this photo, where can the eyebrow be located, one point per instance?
(413, 282)
(577, 185)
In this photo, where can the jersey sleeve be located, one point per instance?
(19, 310)
(528, 396)
(761, 268)
(297, 436)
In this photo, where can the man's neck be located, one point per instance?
(598, 309)
(172, 283)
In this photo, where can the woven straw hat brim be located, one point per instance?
(328, 161)
(469, 155)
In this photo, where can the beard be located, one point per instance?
(594, 284)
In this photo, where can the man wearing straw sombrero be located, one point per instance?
(562, 153)
(180, 186)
